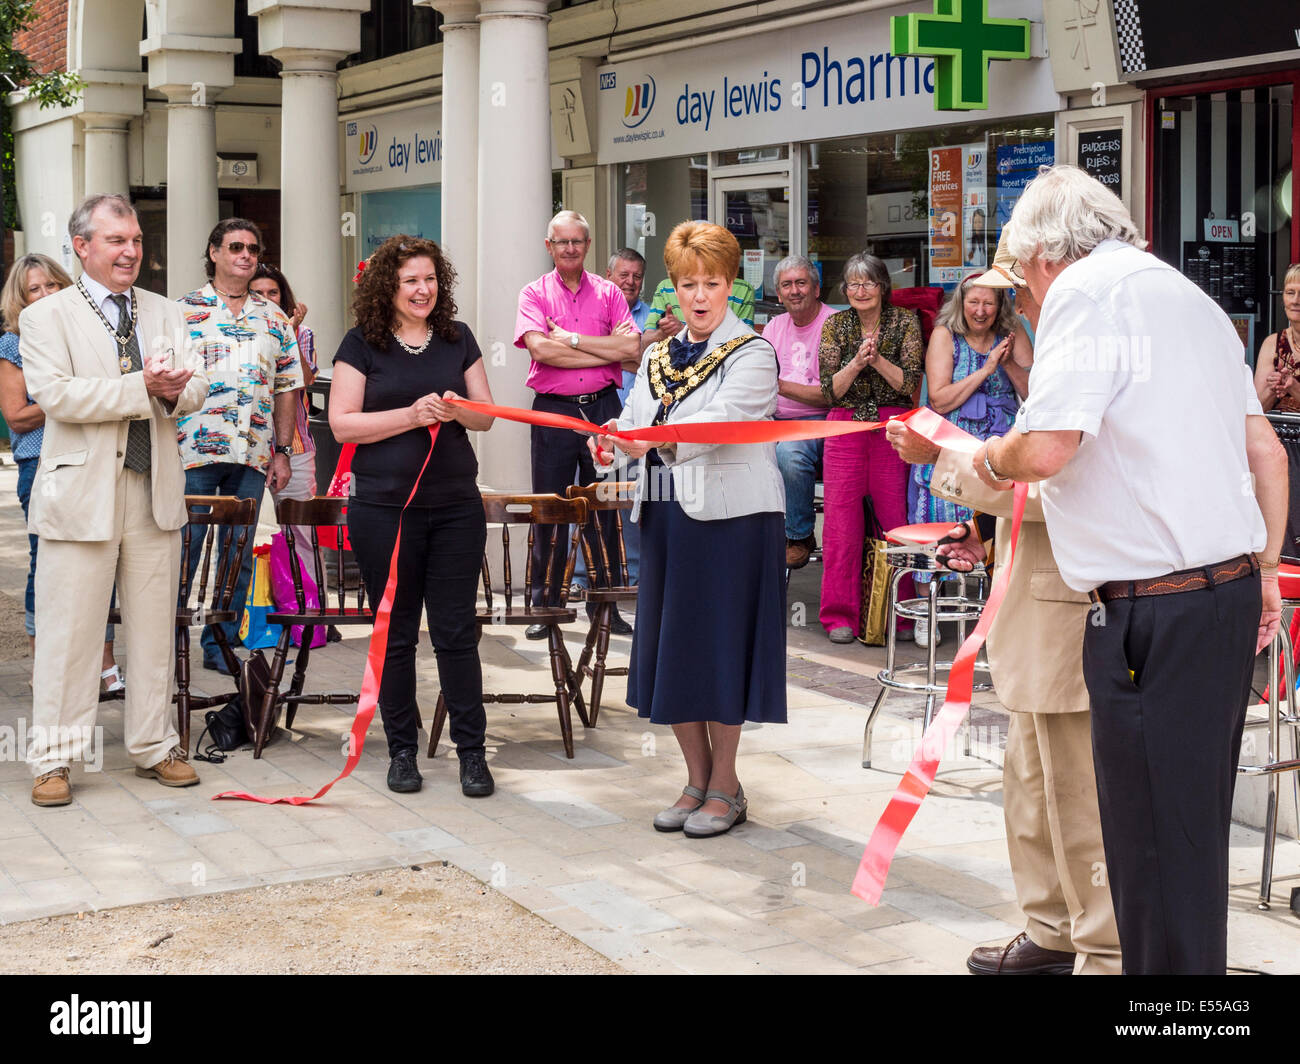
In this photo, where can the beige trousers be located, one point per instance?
(1049, 793)
(73, 582)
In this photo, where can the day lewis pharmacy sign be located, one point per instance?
(961, 38)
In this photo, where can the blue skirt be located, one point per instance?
(709, 642)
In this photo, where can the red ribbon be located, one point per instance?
(916, 783)
(920, 775)
(374, 674)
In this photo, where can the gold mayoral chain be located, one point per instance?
(663, 376)
(123, 359)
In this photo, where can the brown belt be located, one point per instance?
(1184, 580)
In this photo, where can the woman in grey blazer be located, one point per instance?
(708, 652)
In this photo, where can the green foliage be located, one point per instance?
(53, 89)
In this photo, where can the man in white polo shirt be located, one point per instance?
(1167, 502)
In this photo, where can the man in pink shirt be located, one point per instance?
(578, 329)
(796, 336)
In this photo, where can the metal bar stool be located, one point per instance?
(1279, 712)
(908, 556)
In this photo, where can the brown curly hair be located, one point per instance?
(372, 306)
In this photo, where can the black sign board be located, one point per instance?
(1101, 155)
(1224, 272)
(1157, 34)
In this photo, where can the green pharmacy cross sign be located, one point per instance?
(961, 38)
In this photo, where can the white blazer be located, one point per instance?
(712, 481)
(71, 367)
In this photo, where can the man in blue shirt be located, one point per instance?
(627, 270)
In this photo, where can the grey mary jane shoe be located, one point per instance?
(672, 818)
(700, 825)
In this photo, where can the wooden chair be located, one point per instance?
(608, 580)
(220, 528)
(313, 513)
(532, 510)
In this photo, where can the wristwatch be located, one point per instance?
(284, 449)
(989, 465)
(573, 340)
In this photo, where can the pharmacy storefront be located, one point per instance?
(393, 168)
(815, 139)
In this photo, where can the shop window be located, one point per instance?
(251, 63)
(873, 194)
(1222, 179)
(391, 27)
(654, 196)
(748, 156)
(399, 212)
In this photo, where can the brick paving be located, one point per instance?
(571, 839)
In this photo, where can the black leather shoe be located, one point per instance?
(403, 776)
(475, 779)
(1020, 956)
(618, 626)
(535, 631)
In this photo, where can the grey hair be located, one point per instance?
(952, 315)
(79, 224)
(568, 218)
(870, 267)
(797, 262)
(627, 255)
(1064, 213)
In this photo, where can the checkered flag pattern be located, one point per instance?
(1128, 27)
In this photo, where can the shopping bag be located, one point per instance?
(340, 488)
(284, 595)
(253, 629)
(877, 575)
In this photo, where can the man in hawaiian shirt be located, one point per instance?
(239, 443)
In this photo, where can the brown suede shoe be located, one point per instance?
(52, 788)
(1020, 956)
(796, 553)
(172, 771)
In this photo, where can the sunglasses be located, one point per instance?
(236, 247)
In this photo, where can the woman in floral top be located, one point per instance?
(871, 364)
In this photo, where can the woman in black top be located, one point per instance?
(392, 375)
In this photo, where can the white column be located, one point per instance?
(515, 205)
(311, 242)
(191, 60)
(460, 75)
(105, 138)
(309, 38)
(191, 191)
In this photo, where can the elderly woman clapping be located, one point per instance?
(870, 367)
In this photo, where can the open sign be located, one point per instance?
(1224, 230)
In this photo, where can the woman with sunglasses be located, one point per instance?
(871, 363)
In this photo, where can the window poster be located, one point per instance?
(975, 207)
(1017, 165)
(945, 222)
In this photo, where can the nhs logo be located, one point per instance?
(609, 80)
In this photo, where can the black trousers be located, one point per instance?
(558, 455)
(438, 570)
(1165, 743)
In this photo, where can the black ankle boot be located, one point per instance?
(475, 779)
(403, 775)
